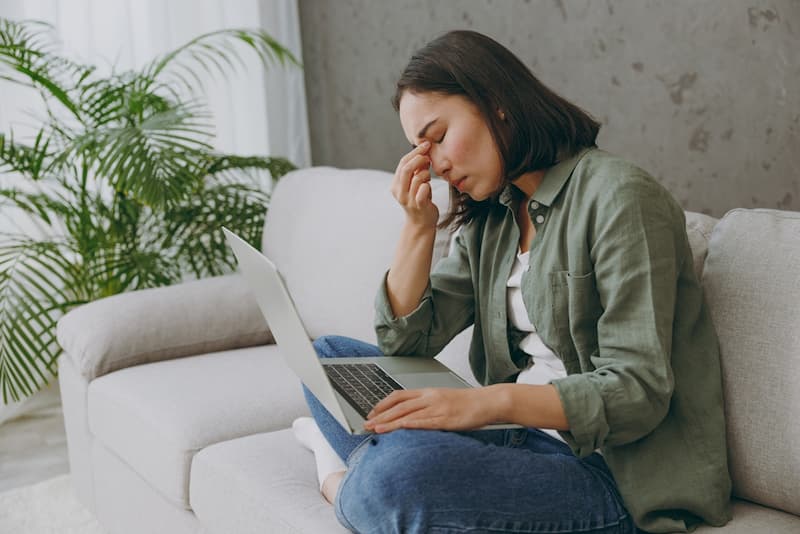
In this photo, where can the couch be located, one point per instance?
(178, 405)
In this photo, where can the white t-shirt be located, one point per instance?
(544, 364)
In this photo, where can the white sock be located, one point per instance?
(308, 433)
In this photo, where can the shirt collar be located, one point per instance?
(555, 178)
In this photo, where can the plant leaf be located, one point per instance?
(35, 290)
(216, 49)
(25, 49)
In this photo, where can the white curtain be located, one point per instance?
(255, 112)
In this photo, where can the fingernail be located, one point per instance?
(425, 143)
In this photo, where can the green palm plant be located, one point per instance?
(124, 179)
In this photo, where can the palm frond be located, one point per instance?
(103, 101)
(26, 52)
(193, 229)
(122, 269)
(123, 99)
(157, 160)
(214, 53)
(30, 161)
(223, 164)
(40, 205)
(232, 197)
(35, 289)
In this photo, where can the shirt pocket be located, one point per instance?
(576, 309)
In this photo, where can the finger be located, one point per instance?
(419, 149)
(412, 166)
(394, 398)
(422, 177)
(408, 167)
(417, 164)
(424, 195)
(417, 420)
(398, 411)
(406, 174)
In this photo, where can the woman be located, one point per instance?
(590, 327)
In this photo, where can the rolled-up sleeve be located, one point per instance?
(445, 309)
(636, 257)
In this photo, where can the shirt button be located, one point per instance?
(540, 219)
(535, 205)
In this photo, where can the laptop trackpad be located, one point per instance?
(430, 380)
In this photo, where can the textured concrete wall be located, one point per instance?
(705, 95)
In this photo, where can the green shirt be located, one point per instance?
(611, 289)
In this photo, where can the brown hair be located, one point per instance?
(539, 127)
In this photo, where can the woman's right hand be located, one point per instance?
(412, 189)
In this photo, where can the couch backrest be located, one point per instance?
(752, 283)
(332, 234)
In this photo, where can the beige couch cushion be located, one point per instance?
(181, 320)
(752, 282)
(260, 483)
(749, 518)
(319, 246)
(155, 417)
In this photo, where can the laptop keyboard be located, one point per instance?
(362, 384)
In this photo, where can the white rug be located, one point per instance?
(48, 507)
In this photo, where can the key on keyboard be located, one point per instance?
(363, 384)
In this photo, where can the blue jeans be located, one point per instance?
(518, 480)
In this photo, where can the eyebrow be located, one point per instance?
(424, 129)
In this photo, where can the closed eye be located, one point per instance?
(437, 142)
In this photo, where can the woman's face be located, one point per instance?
(463, 151)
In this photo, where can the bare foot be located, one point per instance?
(331, 486)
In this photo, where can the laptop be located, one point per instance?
(347, 387)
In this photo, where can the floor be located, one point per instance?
(33, 445)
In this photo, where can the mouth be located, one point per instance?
(459, 184)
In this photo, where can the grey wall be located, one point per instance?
(704, 94)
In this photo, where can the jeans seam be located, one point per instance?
(338, 504)
(607, 479)
(452, 528)
(352, 462)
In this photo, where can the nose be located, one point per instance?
(439, 162)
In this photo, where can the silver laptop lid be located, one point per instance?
(279, 310)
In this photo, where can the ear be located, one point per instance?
(501, 114)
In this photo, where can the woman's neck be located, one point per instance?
(529, 182)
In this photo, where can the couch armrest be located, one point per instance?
(159, 324)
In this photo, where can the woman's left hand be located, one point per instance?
(434, 409)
